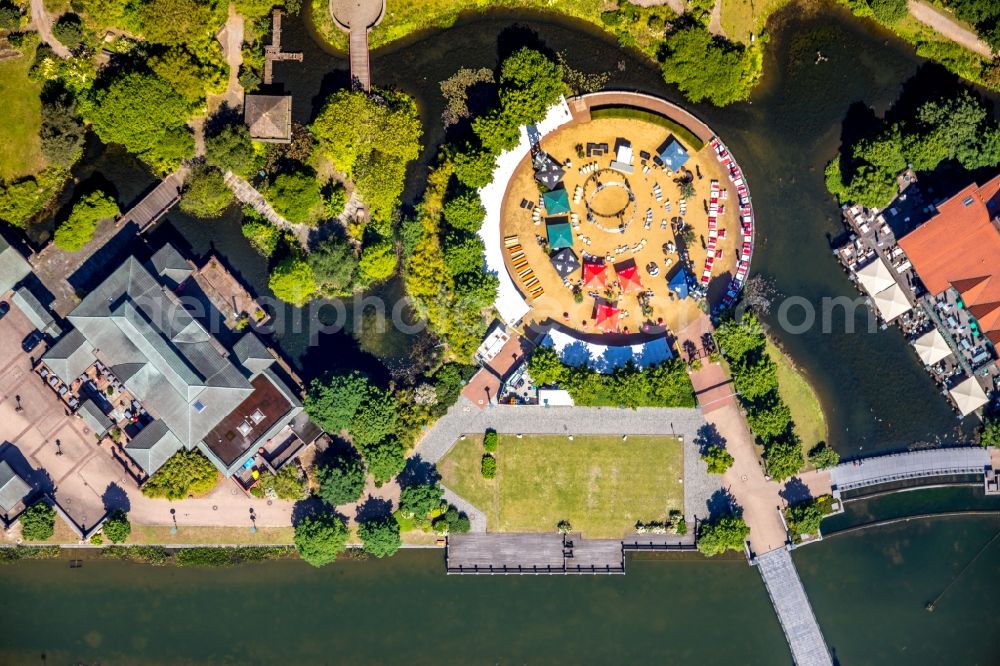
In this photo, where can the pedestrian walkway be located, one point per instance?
(358, 17)
(910, 465)
(794, 611)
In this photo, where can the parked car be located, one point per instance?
(30, 342)
(4, 308)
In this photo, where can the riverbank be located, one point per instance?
(797, 392)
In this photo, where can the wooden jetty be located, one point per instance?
(273, 52)
(157, 203)
(795, 613)
(361, 71)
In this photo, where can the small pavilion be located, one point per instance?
(595, 274)
(556, 202)
(560, 233)
(565, 262)
(680, 283)
(673, 154)
(606, 317)
(628, 275)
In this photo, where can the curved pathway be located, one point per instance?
(948, 27)
(43, 21)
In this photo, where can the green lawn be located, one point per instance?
(742, 17)
(21, 149)
(601, 484)
(798, 394)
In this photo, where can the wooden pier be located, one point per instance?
(500, 553)
(357, 18)
(273, 52)
(361, 71)
(157, 203)
(795, 613)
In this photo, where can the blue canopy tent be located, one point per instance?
(679, 283)
(673, 154)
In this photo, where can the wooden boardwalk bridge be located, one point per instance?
(793, 609)
(273, 52)
(358, 17)
(158, 202)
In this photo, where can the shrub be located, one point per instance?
(991, 432)
(263, 235)
(452, 522)
(117, 527)
(888, 11)
(287, 484)
(38, 522)
(154, 555)
(78, 229)
(335, 200)
(680, 526)
(718, 459)
(490, 441)
(380, 537)
(726, 533)
(17, 553)
(488, 466)
(474, 168)
(185, 473)
(805, 518)
(342, 481)
(68, 30)
(228, 556)
(378, 262)
(206, 194)
(10, 16)
(319, 539)
(292, 281)
(822, 456)
(296, 197)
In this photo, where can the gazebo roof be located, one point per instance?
(969, 396)
(556, 201)
(606, 317)
(628, 275)
(875, 277)
(931, 347)
(595, 274)
(680, 283)
(559, 232)
(673, 154)
(269, 117)
(892, 302)
(565, 262)
(548, 171)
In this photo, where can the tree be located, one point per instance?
(335, 199)
(10, 16)
(184, 474)
(177, 21)
(62, 132)
(205, 194)
(491, 440)
(545, 367)
(380, 537)
(497, 132)
(38, 522)
(823, 456)
(888, 11)
(190, 75)
(334, 267)
(726, 533)
(292, 281)
(68, 30)
(783, 457)
(529, 84)
(385, 459)
(465, 211)
(770, 420)
(319, 539)
(463, 253)
(375, 419)
(263, 235)
(990, 435)
(420, 499)
(804, 518)
(143, 113)
(341, 481)
(231, 149)
(452, 522)
(718, 459)
(739, 339)
(474, 167)
(708, 68)
(296, 197)
(117, 526)
(378, 262)
(332, 402)
(755, 380)
(488, 466)
(78, 229)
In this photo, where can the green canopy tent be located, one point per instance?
(556, 202)
(559, 232)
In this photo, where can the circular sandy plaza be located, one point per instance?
(623, 224)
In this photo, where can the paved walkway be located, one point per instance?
(948, 27)
(477, 519)
(793, 608)
(910, 465)
(43, 21)
(231, 40)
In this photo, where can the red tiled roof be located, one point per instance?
(960, 247)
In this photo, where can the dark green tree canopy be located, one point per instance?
(708, 68)
(231, 149)
(420, 499)
(341, 481)
(333, 402)
(726, 533)
(205, 194)
(529, 84)
(380, 537)
(320, 538)
(334, 267)
(38, 522)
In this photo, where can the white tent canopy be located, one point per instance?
(892, 302)
(969, 396)
(510, 304)
(931, 347)
(606, 358)
(875, 277)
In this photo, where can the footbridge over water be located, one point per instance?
(795, 613)
(909, 465)
(357, 17)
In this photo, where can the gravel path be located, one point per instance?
(43, 21)
(949, 27)
(477, 519)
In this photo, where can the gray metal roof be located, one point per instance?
(13, 488)
(172, 268)
(252, 354)
(160, 352)
(153, 446)
(13, 267)
(36, 313)
(70, 356)
(98, 421)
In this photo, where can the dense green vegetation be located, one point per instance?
(206, 194)
(983, 14)
(263, 236)
(116, 527)
(320, 538)
(229, 556)
(296, 197)
(287, 484)
(229, 148)
(958, 128)
(990, 434)
(184, 474)
(717, 459)
(722, 534)
(292, 281)
(77, 230)
(664, 385)
(380, 536)
(38, 522)
(756, 381)
(803, 519)
(341, 481)
(12, 554)
(823, 456)
(706, 67)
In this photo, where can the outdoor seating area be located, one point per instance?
(746, 219)
(627, 206)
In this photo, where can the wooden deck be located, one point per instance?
(361, 72)
(157, 203)
(273, 52)
(550, 553)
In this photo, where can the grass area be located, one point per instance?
(798, 394)
(741, 18)
(683, 133)
(160, 534)
(600, 484)
(404, 17)
(21, 149)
